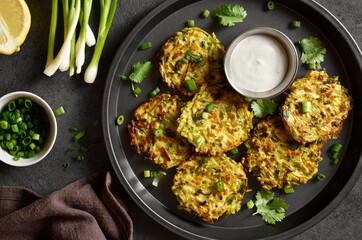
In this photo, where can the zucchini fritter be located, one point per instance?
(276, 159)
(330, 104)
(216, 120)
(191, 54)
(210, 187)
(153, 131)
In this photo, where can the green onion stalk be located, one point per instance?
(52, 32)
(81, 42)
(63, 55)
(107, 12)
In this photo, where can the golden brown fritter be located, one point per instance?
(153, 131)
(219, 128)
(191, 54)
(276, 159)
(330, 104)
(210, 187)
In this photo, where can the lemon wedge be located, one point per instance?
(15, 21)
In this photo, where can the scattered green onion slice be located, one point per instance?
(79, 135)
(321, 176)
(191, 84)
(306, 106)
(289, 190)
(157, 179)
(59, 111)
(294, 145)
(154, 92)
(137, 91)
(219, 185)
(336, 147)
(271, 5)
(146, 45)
(184, 60)
(190, 23)
(250, 204)
(206, 13)
(209, 107)
(73, 129)
(194, 57)
(120, 120)
(204, 160)
(234, 151)
(124, 77)
(295, 24)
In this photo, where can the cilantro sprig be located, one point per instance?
(228, 15)
(140, 71)
(263, 107)
(312, 52)
(270, 208)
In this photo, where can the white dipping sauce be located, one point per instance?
(258, 63)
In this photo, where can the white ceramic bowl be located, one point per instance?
(52, 134)
(291, 63)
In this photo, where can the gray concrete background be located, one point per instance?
(23, 71)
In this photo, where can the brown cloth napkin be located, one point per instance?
(89, 208)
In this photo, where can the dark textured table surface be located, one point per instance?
(83, 102)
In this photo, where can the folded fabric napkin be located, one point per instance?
(89, 208)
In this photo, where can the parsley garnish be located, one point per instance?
(271, 209)
(312, 52)
(141, 70)
(228, 14)
(262, 108)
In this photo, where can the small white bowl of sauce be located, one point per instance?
(261, 63)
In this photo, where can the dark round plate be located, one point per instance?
(311, 202)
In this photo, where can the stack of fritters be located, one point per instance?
(285, 151)
(191, 54)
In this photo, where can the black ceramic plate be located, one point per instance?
(311, 202)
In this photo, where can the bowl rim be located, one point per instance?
(290, 50)
(5, 157)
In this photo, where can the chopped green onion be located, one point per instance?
(28, 103)
(66, 165)
(206, 13)
(11, 105)
(191, 84)
(204, 160)
(4, 124)
(336, 147)
(190, 23)
(159, 132)
(157, 178)
(234, 151)
(59, 111)
(306, 106)
(79, 135)
(154, 92)
(294, 145)
(295, 24)
(120, 120)
(250, 204)
(271, 5)
(335, 161)
(146, 45)
(79, 158)
(289, 190)
(137, 91)
(321, 177)
(209, 107)
(184, 60)
(219, 186)
(73, 129)
(146, 173)
(70, 149)
(124, 78)
(194, 57)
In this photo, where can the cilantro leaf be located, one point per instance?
(263, 107)
(271, 209)
(228, 14)
(141, 70)
(312, 52)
